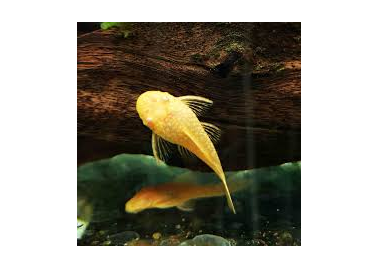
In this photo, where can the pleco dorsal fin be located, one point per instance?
(187, 206)
(199, 105)
(161, 148)
(212, 131)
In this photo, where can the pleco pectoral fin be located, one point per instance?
(212, 131)
(199, 105)
(161, 148)
(187, 206)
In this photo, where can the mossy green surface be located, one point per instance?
(125, 27)
(107, 25)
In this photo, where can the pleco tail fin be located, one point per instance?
(228, 195)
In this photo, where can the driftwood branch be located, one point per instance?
(252, 72)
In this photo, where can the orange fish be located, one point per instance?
(175, 194)
(173, 120)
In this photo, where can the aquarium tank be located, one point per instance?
(189, 134)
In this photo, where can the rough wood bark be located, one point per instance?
(252, 72)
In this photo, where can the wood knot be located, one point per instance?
(224, 68)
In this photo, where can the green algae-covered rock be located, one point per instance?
(107, 184)
(104, 186)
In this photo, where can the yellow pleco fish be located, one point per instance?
(174, 119)
(176, 194)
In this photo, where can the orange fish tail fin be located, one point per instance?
(228, 195)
